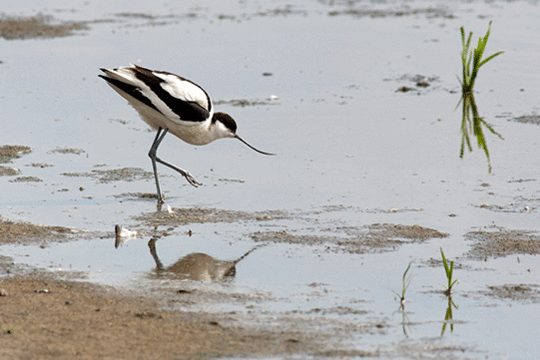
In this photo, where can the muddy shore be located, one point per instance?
(69, 319)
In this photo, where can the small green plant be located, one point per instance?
(474, 56)
(472, 122)
(406, 281)
(449, 269)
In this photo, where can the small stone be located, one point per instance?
(404, 89)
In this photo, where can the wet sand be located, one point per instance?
(57, 319)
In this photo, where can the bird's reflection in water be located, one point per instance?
(196, 266)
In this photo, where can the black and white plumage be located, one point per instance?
(170, 103)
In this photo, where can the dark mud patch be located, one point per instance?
(40, 26)
(519, 204)
(369, 11)
(26, 179)
(392, 210)
(107, 176)
(529, 293)
(67, 150)
(353, 354)
(501, 243)
(416, 83)
(7, 154)
(528, 119)
(40, 165)
(10, 152)
(136, 16)
(136, 196)
(7, 171)
(337, 310)
(415, 233)
(121, 121)
(231, 180)
(343, 8)
(286, 10)
(16, 232)
(153, 20)
(356, 240)
(184, 216)
(346, 8)
(521, 180)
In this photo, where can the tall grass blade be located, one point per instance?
(490, 57)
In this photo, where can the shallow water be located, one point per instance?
(352, 151)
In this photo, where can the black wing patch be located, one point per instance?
(186, 110)
(131, 90)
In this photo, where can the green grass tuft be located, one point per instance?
(449, 270)
(474, 56)
(405, 281)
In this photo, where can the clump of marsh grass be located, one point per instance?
(449, 270)
(472, 122)
(474, 56)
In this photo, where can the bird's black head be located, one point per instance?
(226, 120)
(229, 124)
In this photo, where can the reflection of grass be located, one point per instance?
(449, 317)
(449, 270)
(472, 122)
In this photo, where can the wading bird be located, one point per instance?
(170, 103)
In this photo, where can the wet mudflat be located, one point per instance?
(296, 255)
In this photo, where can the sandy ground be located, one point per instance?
(12, 28)
(68, 319)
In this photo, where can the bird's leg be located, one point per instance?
(184, 173)
(153, 155)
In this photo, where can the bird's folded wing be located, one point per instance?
(173, 96)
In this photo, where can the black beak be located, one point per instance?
(257, 150)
